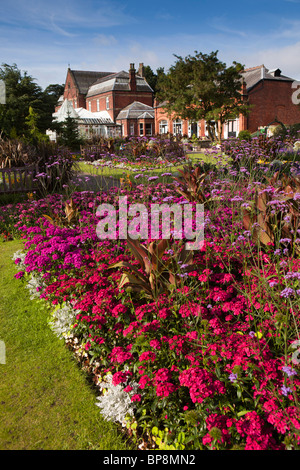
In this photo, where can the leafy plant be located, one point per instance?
(154, 275)
(71, 215)
(192, 184)
(274, 217)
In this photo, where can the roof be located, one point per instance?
(82, 115)
(65, 110)
(101, 117)
(136, 110)
(117, 81)
(84, 79)
(254, 75)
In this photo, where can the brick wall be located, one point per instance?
(272, 100)
(71, 93)
(117, 101)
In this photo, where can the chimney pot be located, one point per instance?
(141, 71)
(132, 79)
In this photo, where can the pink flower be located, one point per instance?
(136, 397)
(147, 356)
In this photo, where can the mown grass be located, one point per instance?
(118, 173)
(46, 400)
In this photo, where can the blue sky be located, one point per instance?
(44, 37)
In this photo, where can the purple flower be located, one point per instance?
(285, 390)
(232, 377)
(289, 371)
(287, 292)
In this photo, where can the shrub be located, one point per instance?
(244, 135)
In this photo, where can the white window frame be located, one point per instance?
(98, 104)
(107, 102)
(163, 126)
(141, 128)
(190, 128)
(177, 123)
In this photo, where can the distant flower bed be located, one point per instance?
(201, 354)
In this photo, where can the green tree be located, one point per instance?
(22, 93)
(34, 134)
(69, 133)
(152, 77)
(202, 87)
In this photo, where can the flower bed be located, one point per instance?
(209, 360)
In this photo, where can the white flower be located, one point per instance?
(62, 320)
(115, 404)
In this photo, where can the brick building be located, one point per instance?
(127, 100)
(270, 94)
(111, 93)
(267, 91)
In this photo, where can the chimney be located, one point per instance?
(132, 80)
(141, 71)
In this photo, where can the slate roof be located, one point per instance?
(136, 110)
(254, 75)
(117, 81)
(84, 79)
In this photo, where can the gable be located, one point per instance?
(255, 75)
(84, 79)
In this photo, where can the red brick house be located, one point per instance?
(137, 119)
(270, 95)
(77, 85)
(128, 100)
(112, 92)
(267, 91)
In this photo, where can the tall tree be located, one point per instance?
(152, 77)
(24, 97)
(69, 133)
(202, 87)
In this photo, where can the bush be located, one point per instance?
(244, 135)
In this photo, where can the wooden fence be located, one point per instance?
(91, 151)
(15, 180)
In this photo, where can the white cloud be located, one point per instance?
(64, 17)
(43, 41)
(105, 40)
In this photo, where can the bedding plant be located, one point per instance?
(189, 350)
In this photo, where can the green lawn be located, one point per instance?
(46, 400)
(118, 173)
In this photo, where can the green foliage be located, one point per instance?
(201, 87)
(32, 123)
(165, 440)
(270, 224)
(22, 93)
(192, 184)
(69, 134)
(154, 275)
(244, 135)
(287, 132)
(152, 78)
